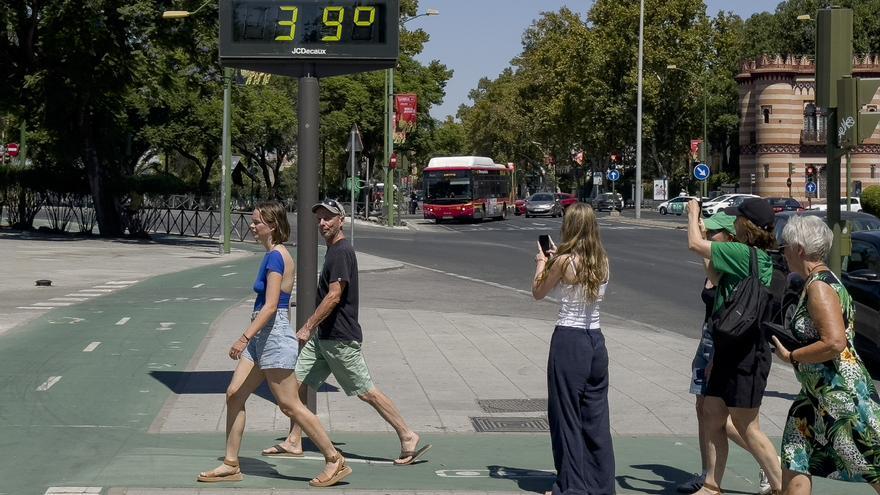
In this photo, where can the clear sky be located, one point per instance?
(462, 39)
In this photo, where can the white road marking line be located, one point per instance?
(111, 287)
(227, 274)
(69, 299)
(97, 290)
(48, 383)
(122, 282)
(218, 299)
(52, 305)
(82, 294)
(227, 266)
(44, 308)
(695, 262)
(357, 461)
(91, 347)
(123, 321)
(73, 490)
(165, 326)
(197, 286)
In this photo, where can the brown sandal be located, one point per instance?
(235, 475)
(340, 474)
(716, 490)
(412, 455)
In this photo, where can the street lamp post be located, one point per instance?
(388, 195)
(704, 147)
(638, 198)
(226, 182)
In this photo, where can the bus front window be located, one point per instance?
(447, 187)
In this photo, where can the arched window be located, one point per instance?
(810, 121)
(766, 110)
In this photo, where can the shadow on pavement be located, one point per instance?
(210, 382)
(669, 479)
(529, 480)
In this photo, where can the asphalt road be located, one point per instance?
(654, 279)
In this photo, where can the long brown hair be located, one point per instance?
(750, 234)
(275, 215)
(583, 245)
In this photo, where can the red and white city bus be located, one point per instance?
(466, 187)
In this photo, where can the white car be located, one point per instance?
(855, 204)
(675, 205)
(715, 205)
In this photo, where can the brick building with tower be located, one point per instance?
(782, 131)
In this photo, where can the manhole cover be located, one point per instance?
(510, 425)
(512, 405)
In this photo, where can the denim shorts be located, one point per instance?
(702, 358)
(276, 346)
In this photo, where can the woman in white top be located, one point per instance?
(577, 370)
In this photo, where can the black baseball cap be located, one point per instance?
(757, 210)
(330, 205)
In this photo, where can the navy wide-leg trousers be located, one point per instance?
(580, 429)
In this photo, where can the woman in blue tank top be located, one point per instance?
(267, 350)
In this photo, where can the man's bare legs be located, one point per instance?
(409, 439)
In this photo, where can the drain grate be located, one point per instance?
(512, 405)
(510, 425)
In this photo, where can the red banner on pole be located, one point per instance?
(695, 148)
(406, 112)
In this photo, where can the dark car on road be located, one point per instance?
(543, 204)
(785, 204)
(861, 276)
(608, 202)
(857, 221)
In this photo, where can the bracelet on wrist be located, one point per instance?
(245, 337)
(794, 362)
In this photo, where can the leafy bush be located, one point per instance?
(871, 200)
(158, 184)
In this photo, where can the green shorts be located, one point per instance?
(344, 359)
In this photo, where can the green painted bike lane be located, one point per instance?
(89, 427)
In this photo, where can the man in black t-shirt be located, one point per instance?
(336, 348)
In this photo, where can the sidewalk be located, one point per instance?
(455, 355)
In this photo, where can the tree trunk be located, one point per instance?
(106, 213)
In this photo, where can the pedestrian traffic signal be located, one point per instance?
(855, 125)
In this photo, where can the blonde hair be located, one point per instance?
(275, 215)
(582, 245)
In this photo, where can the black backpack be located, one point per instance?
(747, 307)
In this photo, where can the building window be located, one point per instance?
(752, 137)
(873, 171)
(766, 110)
(766, 170)
(810, 122)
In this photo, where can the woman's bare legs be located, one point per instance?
(715, 421)
(245, 380)
(748, 425)
(799, 484)
(285, 388)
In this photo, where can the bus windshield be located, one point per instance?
(448, 187)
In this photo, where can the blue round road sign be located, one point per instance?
(811, 187)
(613, 175)
(702, 172)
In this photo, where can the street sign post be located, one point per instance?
(702, 172)
(12, 149)
(613, 175)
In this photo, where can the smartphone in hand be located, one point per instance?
(544, 241)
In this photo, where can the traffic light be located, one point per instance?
(810, 173)
(855, 125)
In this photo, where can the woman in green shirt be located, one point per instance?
(739, 366)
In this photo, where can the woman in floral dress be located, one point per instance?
(832, 429)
